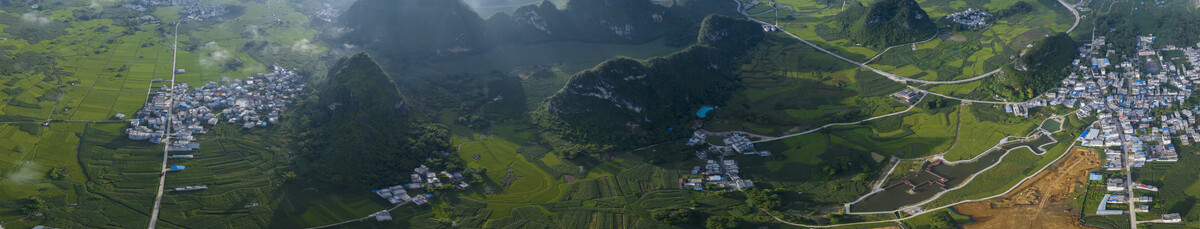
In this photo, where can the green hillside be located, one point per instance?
(418, 29)
(886, 23)
(357, 127)
(626, 101)
(623, 21)
(1039, 69)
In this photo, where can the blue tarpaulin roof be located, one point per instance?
(703, 112)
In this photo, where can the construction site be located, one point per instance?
(1043, 201)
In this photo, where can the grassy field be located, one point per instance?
(119, 177)
(953, 54)
(101, 67)
(1019, 161)
(808, 6)
(619, 191)
(526, 183)
(789, 85)
(986, 131)
(926, 220)
(1179, 186)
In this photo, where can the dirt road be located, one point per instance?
(1041, 202)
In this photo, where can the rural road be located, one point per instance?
(905, 80)
(839, 124)
(1032, 135)
(1014, 187)
(162, 179)
(902, 79)
(355, 220)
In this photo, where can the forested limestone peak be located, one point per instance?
(886, 23)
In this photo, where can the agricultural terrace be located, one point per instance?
(83, 63)
(525, 185)
(951, 54)
(102, 180)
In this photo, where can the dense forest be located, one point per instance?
(1172, 26)
(886, 23)
(418, 29)
(354, 128)
(623, 101)
(1041, 68)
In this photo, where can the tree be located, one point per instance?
(722, 222)
(289, 175)
(862, 177)
(60, 173)
(765, 199)
(33, 205)
(673, 215)
(942, 220)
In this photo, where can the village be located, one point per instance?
(192, 10)
(1139, 106)
(422, 177)
(971, 18)
(253, 102)
(719, 172)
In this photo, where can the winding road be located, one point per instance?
(899, 220)
(839, 124)
(906, 80)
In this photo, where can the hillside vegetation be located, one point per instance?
(418, 29)
(1041, 68)
(886, 23)
(355, 127)
(633, 103)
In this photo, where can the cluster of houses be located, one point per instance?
(1138, 105)
(191, 188)
(421, 177)
(197, 12)
(971, 18)
(720, 173)
(182, 111)
(734, 144)
(143, 5)
(1121, 196)
(328, 14)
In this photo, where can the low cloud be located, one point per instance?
(253, 31)
(304, 46)
(217, 54)
(35, 18)
(97, 3)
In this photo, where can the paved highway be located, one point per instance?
(162, 179)
(901, 79)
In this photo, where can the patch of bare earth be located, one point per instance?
(568, 178)
(1041, 202)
